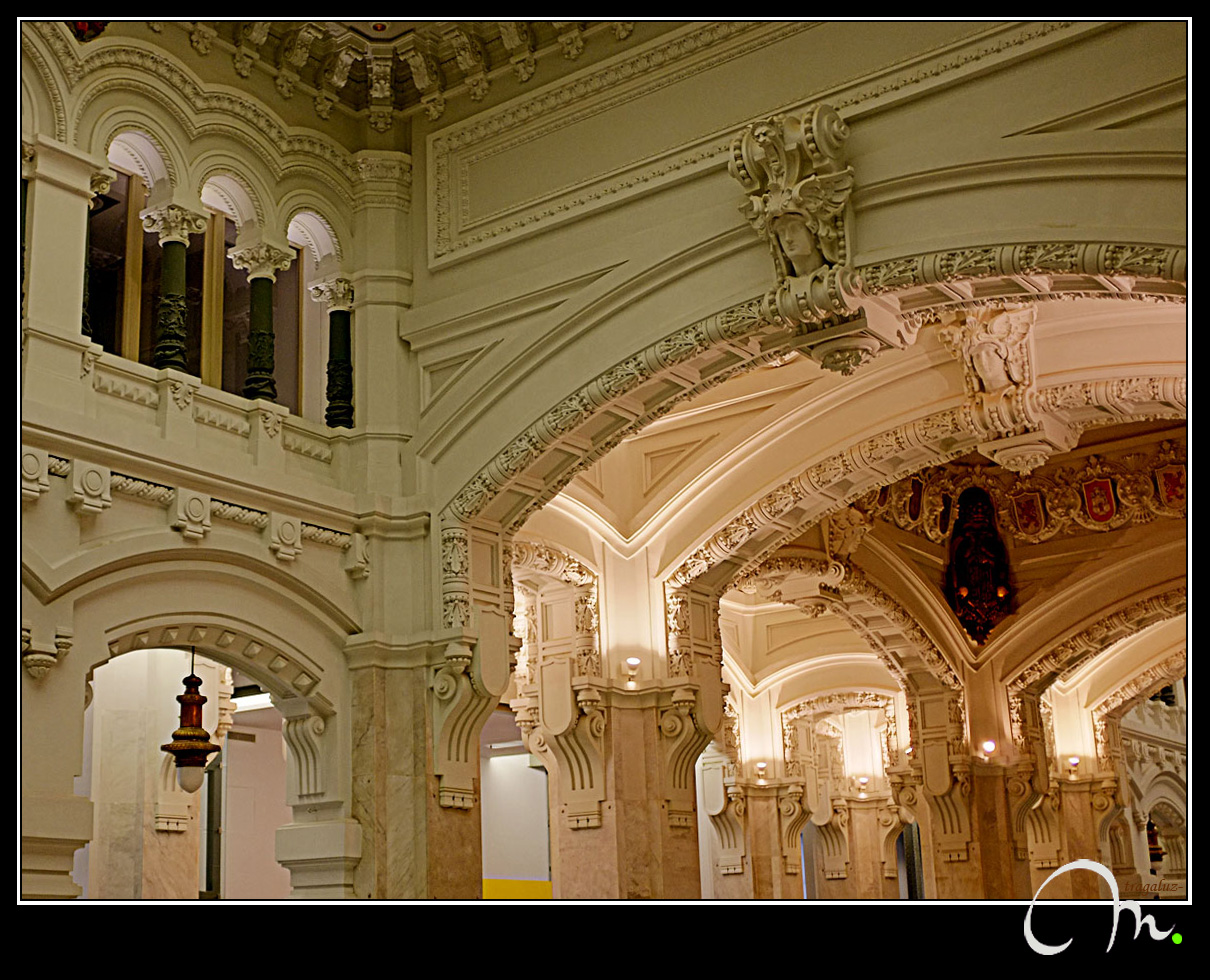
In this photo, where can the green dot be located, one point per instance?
(1176, 938)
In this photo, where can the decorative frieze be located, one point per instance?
(1074, 652)
(1103, 493)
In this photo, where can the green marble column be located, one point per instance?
(169, 349)
(174, 225)
(340, 370)
(262, 261)
(260, 382)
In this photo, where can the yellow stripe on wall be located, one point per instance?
(498, 889)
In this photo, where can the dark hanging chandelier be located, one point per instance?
(191, 744)
(86, 30)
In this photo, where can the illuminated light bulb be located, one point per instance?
(863, 779)
(989, 747)
(1073, 761)
(1001, 591)
(633, 662)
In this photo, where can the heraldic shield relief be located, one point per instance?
(1027, 509)
(1170, 481)
(1099, 500)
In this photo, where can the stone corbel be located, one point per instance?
(467, 686)
(833, 835)
(519, 40)
(798, 184)
(725, 804)
(419, 53)
(995, 346)
(90, 488)
(792, 816)
(356, 561)
(35, 474)
(190, 513)
(945, 771)
(683, 740)
(472, 59)
(570, 726)
(39, 657)
(303, 730)
(890, 826)
(285, 536)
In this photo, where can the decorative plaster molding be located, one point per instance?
(572, 412)
(1136, 487)
(1073, 653)
(455, 576)
(454, 151)
(1040, 267)
(239, 515)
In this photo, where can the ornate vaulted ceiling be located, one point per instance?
(386, 67)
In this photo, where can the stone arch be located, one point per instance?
(45, 106)
(144, 154)
(318, 234)
(650, 377)
(223, 187)
(293, 649)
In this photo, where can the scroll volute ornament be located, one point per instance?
(977, 584)
(798, 185)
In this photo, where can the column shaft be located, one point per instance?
(340, 370)
(260, 382)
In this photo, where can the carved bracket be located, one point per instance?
(683, 741)
(792, 816)
(39, 658)
(303, 732)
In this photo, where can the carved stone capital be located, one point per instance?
(333, 294)
(262, 260)
(173, 223)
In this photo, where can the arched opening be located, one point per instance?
(151, 839)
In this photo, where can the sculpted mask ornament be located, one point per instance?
(798, 185)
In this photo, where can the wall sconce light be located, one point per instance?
(863, 782)
(989, 748)
(761, 768)
(632, 667)
(908, 750)
(191, 743)
(1073, 765)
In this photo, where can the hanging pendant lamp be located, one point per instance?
(191, 743)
